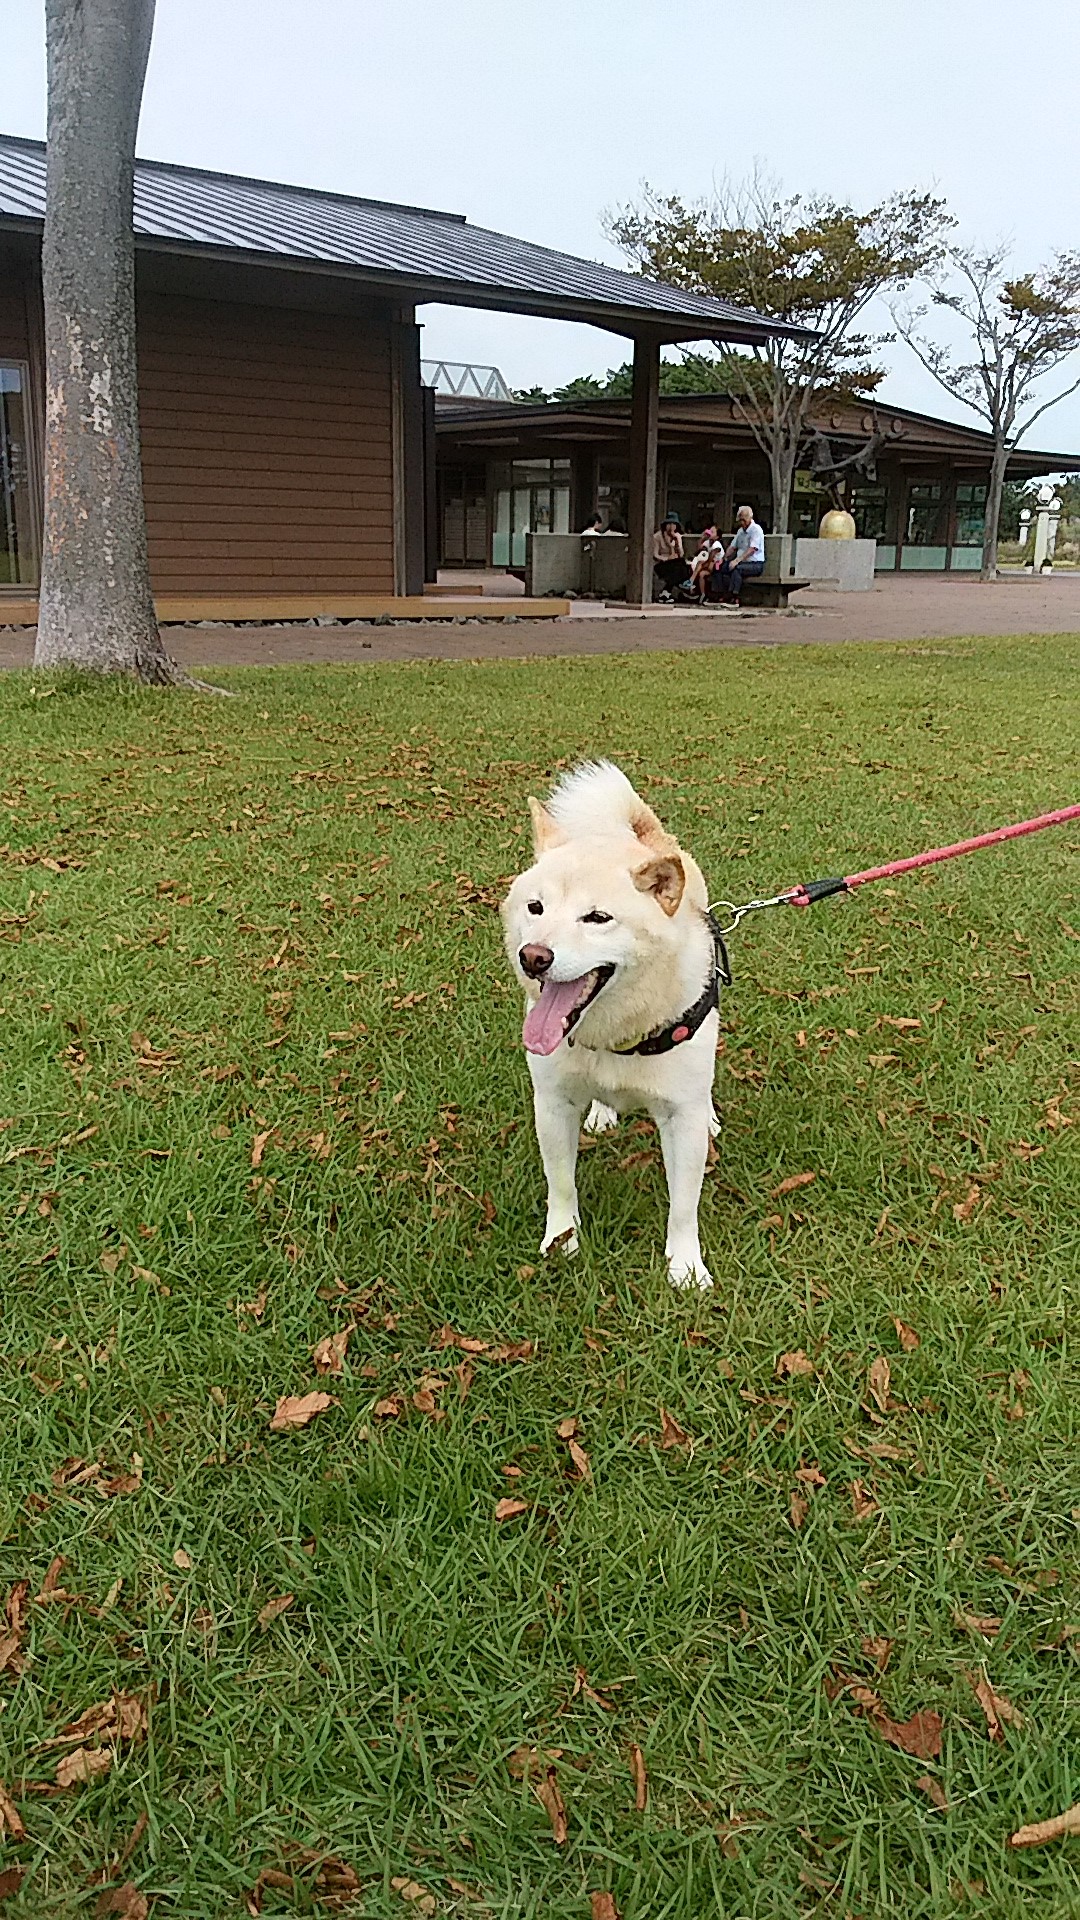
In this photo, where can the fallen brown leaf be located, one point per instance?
(567, 1428)
(640, 1779)
(792, 1184)
(798, 1508)
(863, 1503)
(603, 1907)
(10, 1817)
(182, 1560)
(329, 1352)
(581, 1685)
(671, 1434)
(295, 1410)
(581, 1461)
(1043, 1831)
(907, 1336)
(411, 1890)
(790, 1365)
(920, 1736)
(547, 1792)
(11, 1880)
(82, 1765)
(508, 1509)
(999, 1712)
(988, 1624)
(123, 1716)
(934, 1790)
(126, 1902)
(963, 1209)
(878, 1649)
(878, 1381)
(273, 1608)
(513, 1350)
(258, 1147)
(389, 1409)
(811, 1476)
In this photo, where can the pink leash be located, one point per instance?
(808, 891)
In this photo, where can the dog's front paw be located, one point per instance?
(690, 1273)
(565, 1242)
(600, 1119)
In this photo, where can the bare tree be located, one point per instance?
(813, 264)
(96, 610)
(1021, 329)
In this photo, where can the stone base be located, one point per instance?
(846, 564)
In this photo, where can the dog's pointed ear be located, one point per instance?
(647, 828)
(665, 877)
(546, 831)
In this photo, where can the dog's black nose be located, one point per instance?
(535, 961)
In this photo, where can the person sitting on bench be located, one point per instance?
(745, 557)
(669, 563)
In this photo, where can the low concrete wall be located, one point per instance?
(847, 564)
(584, 563)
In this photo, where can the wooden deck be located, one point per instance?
(21, 611)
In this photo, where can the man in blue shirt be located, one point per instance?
(745, 557)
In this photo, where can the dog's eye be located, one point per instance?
(536, 906)
(596, 918)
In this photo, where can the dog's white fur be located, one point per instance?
(600, 849)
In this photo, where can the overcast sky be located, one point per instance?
(532, 116)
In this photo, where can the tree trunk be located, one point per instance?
(96, 609)
(993, 509)
(781, 480)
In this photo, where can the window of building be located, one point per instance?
(970, 513)
(696, 491)
(869, 507)
(531, 496)
(18, 560)
(463, 528)
(926, 528)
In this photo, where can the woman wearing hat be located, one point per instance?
(669, 562)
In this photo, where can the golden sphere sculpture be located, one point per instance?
(836, 525)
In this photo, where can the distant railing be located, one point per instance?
(462, 380)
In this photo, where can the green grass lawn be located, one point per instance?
(261, 1083)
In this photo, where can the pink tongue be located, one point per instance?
(545, 1022)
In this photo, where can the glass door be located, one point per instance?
(18, 560)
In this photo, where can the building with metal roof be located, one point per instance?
(286, 432)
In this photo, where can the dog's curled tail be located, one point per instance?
(597, 797)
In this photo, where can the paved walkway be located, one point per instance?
(900, 607)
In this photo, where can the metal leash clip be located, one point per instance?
(749, 906)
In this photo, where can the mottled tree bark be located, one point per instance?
(96, 610)
(998, 464)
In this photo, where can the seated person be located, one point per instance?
(669, 562)
(745, 557)
(712, 584)
(595, 523)
(705, 561)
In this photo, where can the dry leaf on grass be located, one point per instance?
(10, 1817)
(295, 1410)
(791, 1185)
(907, 1336)
(11, 1659)
(258, 1147)
(421, 1898)
(798, 1508)
(878, 1382)
(508, 1509)
(126, 1902)
(11, 1880)
(999, 1712)
(581, 1462)
(1043, 1831)
(123, 1716)
(863, 1504)
(603, 1907)
(567, 1428)
(640, 1779)
(934, 1791)
(273, 1608)
(920, 1735)
(182, 1560)
(329, 1352)
(547, 1792)
(581, 1685)
(988, 1624)
(878, 1649)
(790, 1366)
(389, 1409)
(82, 1765)
(671, 1434)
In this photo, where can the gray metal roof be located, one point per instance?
(434, 256)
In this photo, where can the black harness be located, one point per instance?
(687, 1024)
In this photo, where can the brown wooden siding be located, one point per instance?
(267, 448)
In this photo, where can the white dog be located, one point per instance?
(609, 933)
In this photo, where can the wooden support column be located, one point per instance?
(641, 516)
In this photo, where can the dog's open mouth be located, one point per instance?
(560, 1007)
